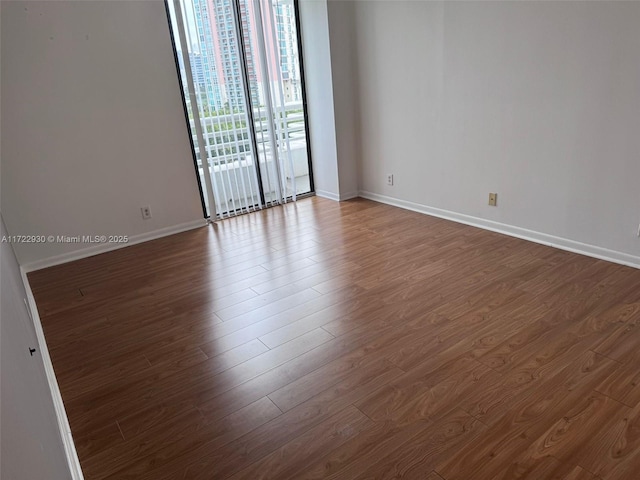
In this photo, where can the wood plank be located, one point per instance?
(325, 437)
(415, 457)
(346, 340)
(138, 456)
(424, 392)
(530, 415)
(264, 440)
(567, 437)
(579, 473)
(162, 386)
(614, 451)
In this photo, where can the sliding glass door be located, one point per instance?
(239, 63)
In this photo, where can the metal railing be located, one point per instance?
(227, 136)
(231, 157)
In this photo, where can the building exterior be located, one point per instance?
(215, 53)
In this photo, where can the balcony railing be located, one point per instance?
(232, 164)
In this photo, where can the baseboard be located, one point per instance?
(331, 196)
(337, 197)
(518, 232)
(58, 404)
(107, 247)
(349, 196)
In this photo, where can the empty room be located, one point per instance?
(305, 239)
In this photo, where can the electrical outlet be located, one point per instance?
(493, 199)
(390, 179)
(146, 212)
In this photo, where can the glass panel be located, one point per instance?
(231, 55)
(271, 46)
(219, 96)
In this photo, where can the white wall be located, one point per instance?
(538, 101)
(328, 48)
(316, 53)
(30, 443)
(345, 100)
(93, 123)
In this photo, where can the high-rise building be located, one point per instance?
(211, 90)
(227, 50)
(287, 44)
(215, 57)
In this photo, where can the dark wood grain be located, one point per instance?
(347, 340)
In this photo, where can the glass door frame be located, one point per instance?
(236, 8)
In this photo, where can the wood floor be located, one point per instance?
(349, 341)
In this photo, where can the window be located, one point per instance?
(256, 129)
